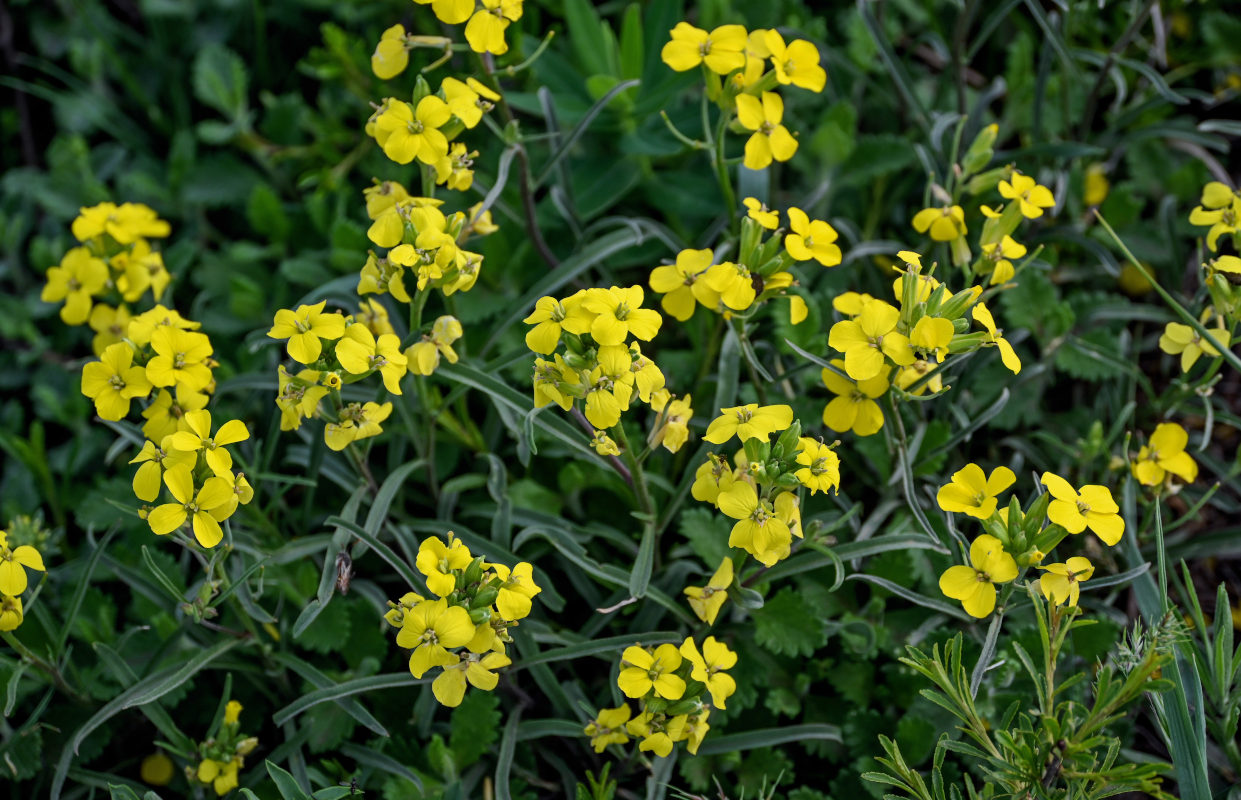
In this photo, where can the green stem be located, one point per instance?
(49, 669)
(721, 174)
(637, 477)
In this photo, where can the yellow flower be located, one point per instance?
(241, 494)
(974, 585)
(1062, 582)
(406, 132)
(709, 665)
(932, 335)
(304, 328)
(854, 407)
(1223, 219)
(760, 213)
(391, 55)
(180, 359)
(999, 253)
(673, 433)
(214, 492)
(1032, 197)
(430, 629)
(706, 601)
(712, 477)
(360, 352)
(299, 397)
(659, 733)
(732, 284)
(748, 422)
(113, 382)
(972, 492)
(682, 284)
(811, 239)
(154, 460)
(603, 444)
(982, 315)
(77, 278)
(770, 139)
(357, 421)
(548, 377)
(222, 775)
(232, 710)
(867, 338)
(1185, 341)
(945, 223)
(166, 415)
(759, 530)
(608, 727)
(438, 562)
(156, 769)
(619, 313)
(468, 100)
(424, 356)
(1165, 454)
(12, 575)
(199, 437)
(796, 63)
(395, 615)
(644, 671)
(1095, 188)
(125, 223)
(820, 468)
(141, 269)
(450, 12)
(550, 317)
(517, 590)
(10, 613)
(143, 326)
(485, 30)
(722, 50)
(1092, 507)
(109, 324)
(449, 687)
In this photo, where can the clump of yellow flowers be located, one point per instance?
(223, 754)
(463, 627)
(675, 688)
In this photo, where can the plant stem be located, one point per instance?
(49, 669)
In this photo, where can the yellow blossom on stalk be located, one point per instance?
(732, 284)
(304, 328)
(191, 506)
(647, 376)
(603, 444)
(142, 327)
(608, 395)
(999, 253)
(547, 379)
(973, 492)
(1222, 218)
(659, 733)
(391, 55)
(154, 460)
(974, 585)
(709, 665)
(430, 629)
(109, 324)
(1178, 339)
(1091, 507)
(682, 284)
(854, 407)
(759, 529)
(867, 338)
(851, 303)
(360, 352)
(156, 769)
(906, 377)
(722, 50)
(199, 437)
(1164, 454)
(180, 359)
(449, 686)
(485, 30)
(423, 357)
(820, 466)
(517, 590)
(405, 132)
(673, 433)
(141, 269)
(748, 422)
(645, 670)
(12, 563)
(932, 335)
(796, 63)
(1031, 196)
(222, 775)
(166, 414)
(451, 12)
(456, 169)
(706, 601)
(711, 478)
(469, 100)
(395, 615)
(125, 223)
(811, 239)
(770, 140)
(1095, 188)
(77, 278)
(438, 561)
(550, 317)
(299, 397)
(760, 213)
(945, 223)
(113, 382)
(608, 727)
(619, 314)
(982, 315)
(11, 615)
(241, 494)
(1062, 582)
(374, 316)
(357, 421)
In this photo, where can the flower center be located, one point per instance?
(116, 382)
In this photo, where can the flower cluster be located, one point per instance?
(224, 754)
(1017, 539)
(760, 493)
(463, 629)
(1219, 212)
(671, 686)
(740, 79)
(15, 558)
(486, 22)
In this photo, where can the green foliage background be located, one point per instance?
(241, 123)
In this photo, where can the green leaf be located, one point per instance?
(349, 688)
(329, 631)
(913, 597)
(475, 727)
(504, 763)
(707, 534)
(285, 784)
(769, 737)
(595, 647)
(219, 78)
(788, 625)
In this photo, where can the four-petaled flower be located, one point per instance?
(770, 140)
(196, 508)
(820, 466)
(748, 422)
(1165, 453)
(706, 601)
(1092, 507)
(646, 670)
(1031, 196)
(1061, 582)
(709, 665)
(868, 337)
(973, 492)
(811, 239)
(722, 50)
(974, 585)
(430, 629)
(304, 328)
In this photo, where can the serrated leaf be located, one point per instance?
(707, 534)
(329, 631)
(475, 727)
(219, 79)
(787, 625)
